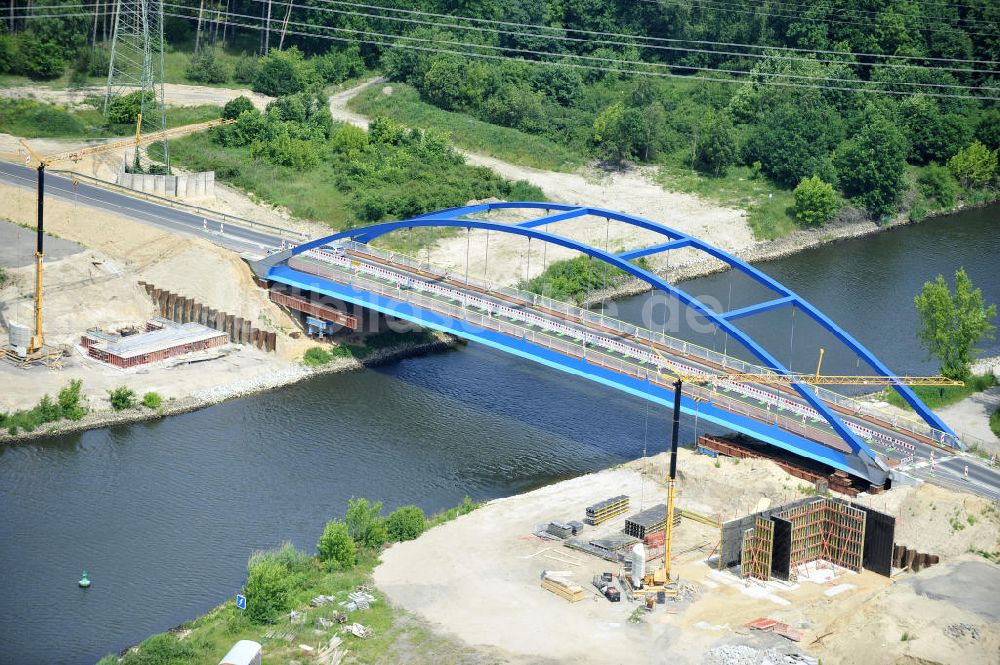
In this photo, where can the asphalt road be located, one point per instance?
(224, 234)
(948, 472)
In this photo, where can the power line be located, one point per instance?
(867, 13)
(525, 51)
(719, 6)
(620, 70)
(565, 38)
(599, 33)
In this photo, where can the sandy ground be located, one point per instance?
(177, 94)
(507, 260)
(632, 191)
(98, 287)
(477, 579)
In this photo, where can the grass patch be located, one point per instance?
(511, 145)
(396, 634)
(317, 356)
(33, 119)
(939, 396)
(769, 208)
(572, 279)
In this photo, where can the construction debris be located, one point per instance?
(361, 599)
(602, 511)
(768, 625)
(332, 653)
(564, 588)
(358, 630)
(962, 630)
(319, 601)
(278, 635)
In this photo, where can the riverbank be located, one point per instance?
(467, 590)
(105, 416)
(849, 224)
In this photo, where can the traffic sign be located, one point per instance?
(241, 602)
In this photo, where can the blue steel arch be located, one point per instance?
(454, 217)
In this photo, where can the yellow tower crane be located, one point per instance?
(36, 348)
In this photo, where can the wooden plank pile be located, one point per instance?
(563, 588)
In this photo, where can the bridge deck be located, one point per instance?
(605, 343)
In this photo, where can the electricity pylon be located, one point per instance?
(137, 63)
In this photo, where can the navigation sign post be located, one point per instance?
(241, 602)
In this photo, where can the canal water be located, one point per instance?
(163, 515)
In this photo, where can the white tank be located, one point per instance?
(638, 565)
(19, 335)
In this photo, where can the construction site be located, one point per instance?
(762, 569)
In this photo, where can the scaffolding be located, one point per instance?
(758, 550)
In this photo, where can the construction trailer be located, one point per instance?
(162, 339)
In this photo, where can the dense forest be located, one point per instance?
(887, 104)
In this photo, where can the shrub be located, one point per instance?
(338, 66)
(937, 183)
(316, 356)
(162, 649)
(152, 400)
(39, 59)
(69, 401)
(283, 73)
(124, 109)
(975, 165)
(266, 589)
(365, 523)
(246, 68)
(205, 67)
(815, 201)
(336, 547)
(283, 150)
(995, 421)
(234, 107)
(405, 523)
(122, 398)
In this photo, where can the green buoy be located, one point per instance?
(84, 582)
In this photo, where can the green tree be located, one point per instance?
(794, 140)
(974, 166)
(234, 107)
(872, 164)
(206, 67)
(39, 59)
(124, 109)
(616, 131)
(283, 73)
(937, 183)
(365, 523)
(266, 589)
(446, 83)
(69, 401)
(717, 149)
(336, 547)
(405, 523)
(815, 201)
(951, 324)
(122, 398)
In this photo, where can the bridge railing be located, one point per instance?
(800, 424)
(860, 408)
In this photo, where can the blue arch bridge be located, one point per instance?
(807, 421)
